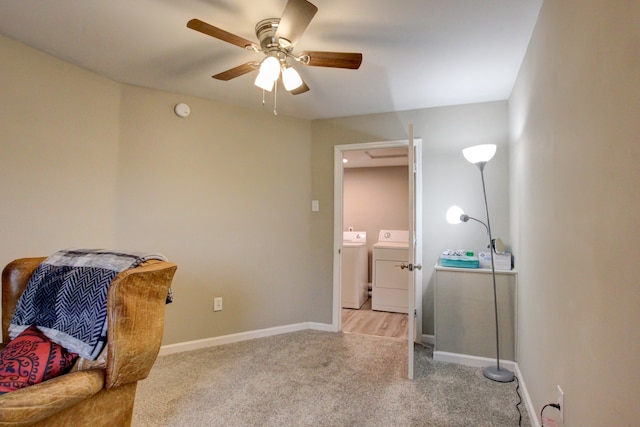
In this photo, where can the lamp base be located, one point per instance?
(495, 374)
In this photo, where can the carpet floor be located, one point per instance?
(313, 378)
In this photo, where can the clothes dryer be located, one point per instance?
(389, 282)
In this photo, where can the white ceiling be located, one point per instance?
(416, 53)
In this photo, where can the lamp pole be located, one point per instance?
(493, 372)
(479, 155)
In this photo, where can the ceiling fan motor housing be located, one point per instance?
(266, 33)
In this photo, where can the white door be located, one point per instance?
(415, 247)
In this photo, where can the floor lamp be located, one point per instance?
(480, 155)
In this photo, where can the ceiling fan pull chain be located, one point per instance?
(275, 99)
(263, 91)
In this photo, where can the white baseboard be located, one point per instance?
(428, 339)
(243, 336)
(468, 360)
(526, 399)
(261, 333)
(481, 362)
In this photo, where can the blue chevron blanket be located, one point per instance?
(66, 297)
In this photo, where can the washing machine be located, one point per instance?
(389, 282)
(355, 269)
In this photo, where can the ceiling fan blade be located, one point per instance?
(237, 71)
(333, 59)
(210, 30)
(300, 89)
(295, 19)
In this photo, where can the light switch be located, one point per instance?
(315, 205)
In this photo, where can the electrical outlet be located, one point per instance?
(217, 304)
(560, 401)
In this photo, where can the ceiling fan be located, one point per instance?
(278, 38)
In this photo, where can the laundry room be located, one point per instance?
(375, 199)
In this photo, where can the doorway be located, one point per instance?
(390, 153)
(375, 198)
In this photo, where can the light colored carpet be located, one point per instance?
(313, 378)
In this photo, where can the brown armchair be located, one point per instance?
(98, 396)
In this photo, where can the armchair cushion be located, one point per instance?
(30, 359)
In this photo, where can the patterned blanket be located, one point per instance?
(66, 297)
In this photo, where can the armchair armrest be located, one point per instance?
(135, 308)
(37, 402)
(15, 277)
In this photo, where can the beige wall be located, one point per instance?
(89, 162)
(447, 179)
(224, 193)
(59, 147)
(575, 200)
(227, 197)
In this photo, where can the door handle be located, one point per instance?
(411, 267)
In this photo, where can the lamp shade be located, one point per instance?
(270, 68)
(291, 78)
(453, 215)
(264, 82)
(269, 73)
(479, 153)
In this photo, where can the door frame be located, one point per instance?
(338, 177)
(415, 248)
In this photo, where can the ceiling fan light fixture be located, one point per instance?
(268, 74)
(263, 82)
(270, 68)
(277, 40)
(290, 78)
